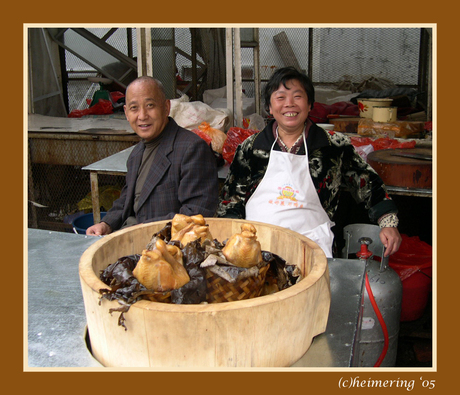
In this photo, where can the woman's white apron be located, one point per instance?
(287, 197)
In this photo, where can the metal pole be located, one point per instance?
(238, 80)
(257, 72)
(144, 43)
(194, 65)
(229, 66)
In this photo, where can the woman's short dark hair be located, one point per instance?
(282, 76)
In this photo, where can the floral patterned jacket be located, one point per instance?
(333, 162)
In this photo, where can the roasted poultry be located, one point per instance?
(186, 229)
(161, 269)
(243, 249)
(180, 221)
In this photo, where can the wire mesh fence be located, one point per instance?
(331, 56)
(334, 58)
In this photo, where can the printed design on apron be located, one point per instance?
(287, 197)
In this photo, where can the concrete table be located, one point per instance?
(56, 320)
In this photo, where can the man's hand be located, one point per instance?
(99, 229)
(391, 239)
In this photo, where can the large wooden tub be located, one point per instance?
(269, 331)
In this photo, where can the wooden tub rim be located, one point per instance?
(318, 270)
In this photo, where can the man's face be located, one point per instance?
(146, 109)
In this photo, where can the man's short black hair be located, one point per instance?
(282, 76)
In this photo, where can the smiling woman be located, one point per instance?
(290, 173)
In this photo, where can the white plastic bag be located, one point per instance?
(364, 150)
(255, 122)
(190, 115)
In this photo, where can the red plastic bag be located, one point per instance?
(216, 136)
(101, 108)
(235, 136)
(413, 255)
(385, 143)
(382, 143)
(203, 135)
(320, 111)
(116, 96)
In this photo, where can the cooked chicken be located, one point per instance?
(181, 221)
(192, 232)
(243, 249)
(186, 229)
(161, 269)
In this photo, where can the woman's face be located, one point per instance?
(290, 107)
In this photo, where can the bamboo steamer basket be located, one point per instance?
(268, 331)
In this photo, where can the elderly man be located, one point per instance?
(170, 171)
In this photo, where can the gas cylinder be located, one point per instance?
(382, 295)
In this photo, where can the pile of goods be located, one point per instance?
(223, 144)
(184, 264)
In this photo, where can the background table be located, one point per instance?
(116, 165)
(113, 165)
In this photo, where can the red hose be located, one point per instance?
(381, 320)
